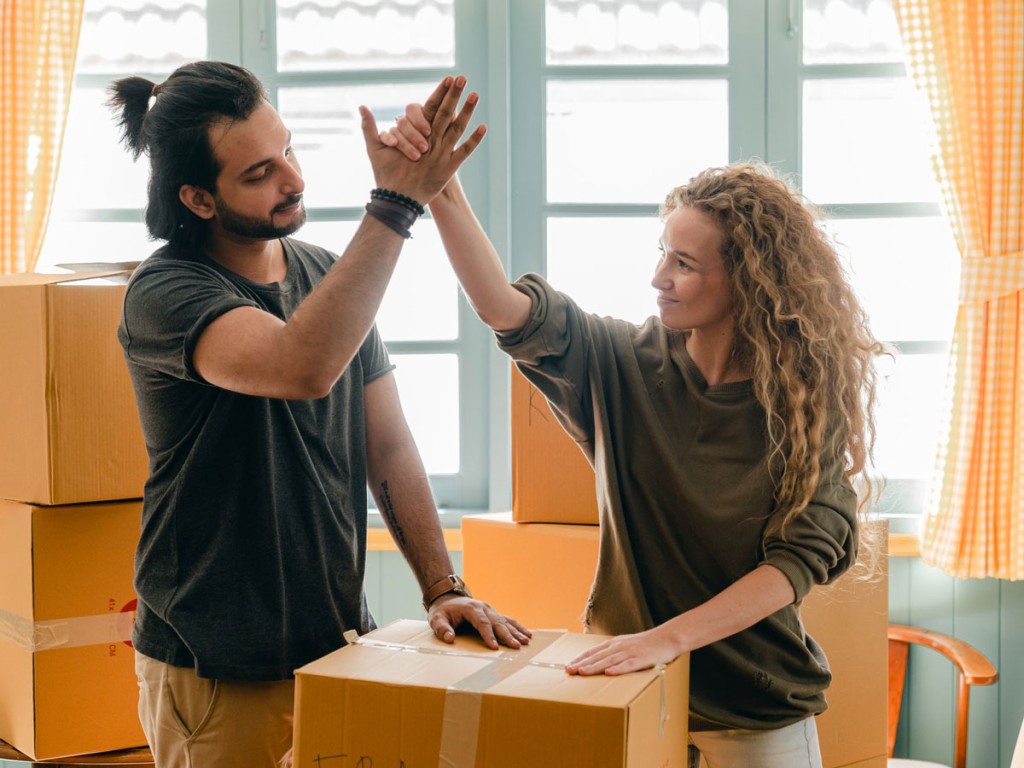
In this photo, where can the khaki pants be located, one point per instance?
(794, 746)
(190, 722)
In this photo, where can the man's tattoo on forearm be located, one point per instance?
(387, 508)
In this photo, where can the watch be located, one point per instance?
(449, 584)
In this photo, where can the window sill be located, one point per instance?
(378, 539)
(904, 545)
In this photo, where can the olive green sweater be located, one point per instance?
(685, 494)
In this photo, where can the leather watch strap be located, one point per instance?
(450, 583)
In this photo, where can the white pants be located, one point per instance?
(794, 746)
(190, 722)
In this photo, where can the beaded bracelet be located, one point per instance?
(394, 197)
(395, 215)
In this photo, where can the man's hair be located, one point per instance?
(171, 123)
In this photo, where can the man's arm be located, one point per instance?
(399, 484)
(250, 351)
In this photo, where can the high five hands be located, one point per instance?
(435, 159)
(412, 132)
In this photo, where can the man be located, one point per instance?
(267, 403)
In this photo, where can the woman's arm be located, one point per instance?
(476, 263)
(399, 483)
(752, 598)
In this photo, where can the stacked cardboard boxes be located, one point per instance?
(550, 543)
(72, 468)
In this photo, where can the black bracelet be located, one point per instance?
(394, 197)
(396, 216)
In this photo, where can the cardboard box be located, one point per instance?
(67, 605)
(69, 428)
(850, 619)
(554, 567)
(400, 697)
(552, 481)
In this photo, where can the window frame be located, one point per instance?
(765, 74)
(500, 46)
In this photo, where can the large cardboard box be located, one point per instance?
(69, 428)
(553, 567)
(400, 697)
(67, 677)
(552, 481)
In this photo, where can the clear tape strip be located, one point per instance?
(461, 717)
(34, 636)
(462, 702)
(662, 703)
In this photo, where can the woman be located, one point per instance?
(725, 435)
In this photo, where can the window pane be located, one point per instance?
(75, 242)
(328, 140)
(133, 37)
(429, 387)
(885, 256)
(317, 35)
(850, 31)
(599, 147)
(606, 264)
(866, 140)
(95, 169)
(909, 415)
(620, 32)
(422, 300)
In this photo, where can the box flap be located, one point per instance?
(39, 278)
(100, 266)
(407, 653)
(544, 677)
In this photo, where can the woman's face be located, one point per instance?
(694, 292)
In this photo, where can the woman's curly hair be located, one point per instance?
(800, 330)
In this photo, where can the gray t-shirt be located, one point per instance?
(685, 494)
(253, 541)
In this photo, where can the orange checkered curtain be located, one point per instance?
(968, 57)
(38, 42)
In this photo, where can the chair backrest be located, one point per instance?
(972, 669)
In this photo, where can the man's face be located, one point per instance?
(259, 188)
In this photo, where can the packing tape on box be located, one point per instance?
(463, 699)
(33, 636)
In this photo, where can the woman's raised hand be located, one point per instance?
(411, 132)
(428, 154)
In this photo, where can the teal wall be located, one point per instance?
(986, 613)
(391, 590)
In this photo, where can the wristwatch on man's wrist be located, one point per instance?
(450, 584)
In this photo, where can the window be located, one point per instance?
(596, 108)
(622, 111)
(863, 154)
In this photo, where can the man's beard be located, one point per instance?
(259, 229)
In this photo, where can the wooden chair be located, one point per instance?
(972, 669)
